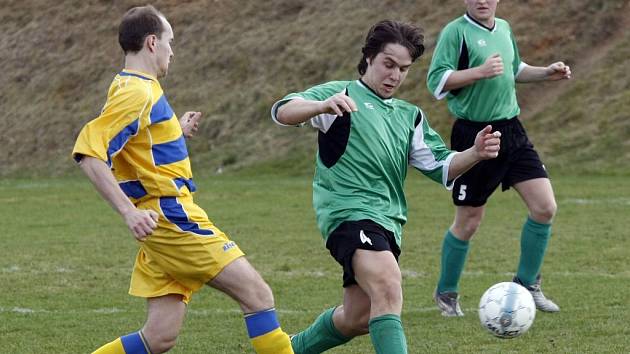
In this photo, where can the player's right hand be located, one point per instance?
(493, 66)
(338, 104)
(487, 143)
(141, 222)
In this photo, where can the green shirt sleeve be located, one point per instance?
(445, 60)
(429, 154)
(316, 93)
(516, 63)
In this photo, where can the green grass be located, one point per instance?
(66, 257)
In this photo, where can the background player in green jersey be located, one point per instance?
(475, 66)
(366, 141)
(135, 155)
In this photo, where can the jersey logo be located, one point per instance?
(482, 43)
(364, 239)
(228, 246)
(368, 105)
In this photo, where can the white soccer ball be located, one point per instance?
(507, 310)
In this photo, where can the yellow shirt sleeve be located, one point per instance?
(125, 113)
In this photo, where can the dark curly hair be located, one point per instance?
(388, 31)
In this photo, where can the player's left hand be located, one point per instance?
(558, 71)
(190, 123)
(487, 143)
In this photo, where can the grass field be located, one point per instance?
(66, 257)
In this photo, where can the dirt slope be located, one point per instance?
(235, 58)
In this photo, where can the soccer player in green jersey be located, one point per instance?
(135, 154)
(475, 65)
(367, 138)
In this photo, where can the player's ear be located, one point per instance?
(150, 41)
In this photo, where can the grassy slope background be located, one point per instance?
(235, 58)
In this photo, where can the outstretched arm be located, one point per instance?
(553, 72)
(298, 111)
(487, 144)
(140, 222)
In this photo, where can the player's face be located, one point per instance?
(482, 10)
(388, 69)
(163, 49)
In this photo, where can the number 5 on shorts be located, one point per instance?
(462, 192)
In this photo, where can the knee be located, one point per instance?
(394, 294)
(544, 213)
(160, 342)
(466, 225)
(259, 297)
(388, 291)
(265, 295)
(470, 227)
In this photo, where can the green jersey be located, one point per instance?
(465, 43)
(363, 157)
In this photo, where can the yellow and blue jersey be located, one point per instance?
(138, 135)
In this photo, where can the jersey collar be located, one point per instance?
(138, 74)
(364, 85)
(479, 24)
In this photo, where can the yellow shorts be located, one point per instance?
(183, 253)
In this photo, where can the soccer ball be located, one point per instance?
(507, 310)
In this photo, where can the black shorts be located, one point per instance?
(363, 234)
(517, 161)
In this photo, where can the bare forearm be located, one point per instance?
(102, 178)
(462, 162)
(533, 74)
(462, 78)
(298, 111)
(493, 66)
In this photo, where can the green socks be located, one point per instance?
(454, 252)
(534, 240)
(319, 337)
(387, 335)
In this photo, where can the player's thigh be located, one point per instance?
(244, 284)
(165, 316)
(538, 195)
(365, 234)
(377, 272)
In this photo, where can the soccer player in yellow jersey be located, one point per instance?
(135, 155)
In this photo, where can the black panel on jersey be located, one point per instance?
(462, 64)
(418, 119)
(332, 144)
